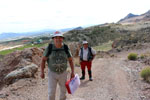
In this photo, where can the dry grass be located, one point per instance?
(147, 54)
(104, 47)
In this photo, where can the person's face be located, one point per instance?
(85, 45)
(58, 39)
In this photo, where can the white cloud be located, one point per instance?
(28, 15)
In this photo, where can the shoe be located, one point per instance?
(82, 78)
(90, 79)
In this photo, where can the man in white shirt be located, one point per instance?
(86, 56)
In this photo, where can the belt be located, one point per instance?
(83, 60)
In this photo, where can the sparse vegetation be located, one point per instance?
(145, 73)
(132, 56)
(5, 52)
(94, 35)
(104, 47)
(142, 56)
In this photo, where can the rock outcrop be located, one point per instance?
(22, 63)
(25, 63)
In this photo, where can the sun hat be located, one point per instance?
(84, 42)
(57, 33)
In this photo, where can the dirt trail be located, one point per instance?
(113, 80)
(110, 83)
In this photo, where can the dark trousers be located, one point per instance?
(83, 66)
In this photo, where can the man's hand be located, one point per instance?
(42, 75)
(44, 59)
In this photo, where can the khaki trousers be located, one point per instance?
(53, 80)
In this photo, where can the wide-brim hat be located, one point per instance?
(84, 42)
(57, 33)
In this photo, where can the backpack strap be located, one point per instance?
(90, 54)
(90, 50)
(81, 54)
(49, 49)
(66, 49)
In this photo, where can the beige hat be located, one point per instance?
(57, 33)
(84, 42)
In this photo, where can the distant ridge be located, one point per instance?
(11, 35)
(78, 28)
(131, 18)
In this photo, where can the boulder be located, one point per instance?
(23, 72)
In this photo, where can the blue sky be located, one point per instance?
(32, 15)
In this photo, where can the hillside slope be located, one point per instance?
(95, 35)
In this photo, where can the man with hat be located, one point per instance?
(86, 56)
(57, 54)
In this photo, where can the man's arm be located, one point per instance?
(71, 66)
(93, 57)
(79, 55)
(94, 53)
(44, 59)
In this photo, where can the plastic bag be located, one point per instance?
(73, 84)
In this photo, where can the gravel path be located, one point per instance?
(110, 83)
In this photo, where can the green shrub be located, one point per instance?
(145, 74)
(142, 56)
(132, 56)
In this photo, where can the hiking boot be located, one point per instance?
(90, 79)
(82, 78)
(83, 75)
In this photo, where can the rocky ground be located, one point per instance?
(114, 78)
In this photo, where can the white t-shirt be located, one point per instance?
(85, 53)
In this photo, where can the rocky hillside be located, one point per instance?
(133, 34)
(95, 35)
(121, 35)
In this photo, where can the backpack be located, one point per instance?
(66, 49)
(90, 55)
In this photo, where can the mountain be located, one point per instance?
(78, 28)
(11, 35)
(130, 15)
(131, 18)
